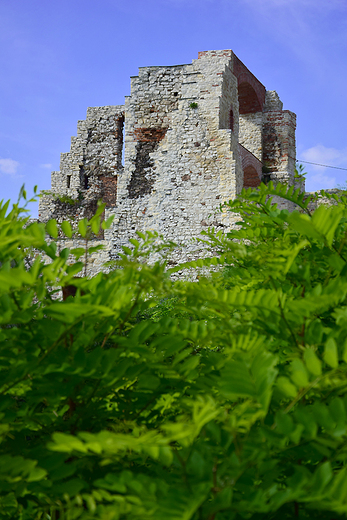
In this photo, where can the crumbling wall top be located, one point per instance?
(272, 102)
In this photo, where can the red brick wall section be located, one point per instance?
(248, 99)
(279, 140)
(250, 178)
(249, 86)
(109, 190)
(149, 135)
(226, 52)
(252, 168)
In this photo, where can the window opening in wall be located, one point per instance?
(120, 142)
(68, 181)
(86, 182)
(231, 120)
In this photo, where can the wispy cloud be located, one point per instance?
(47, 166)
(325, 156)
(320, 181)
(321, 177)
(9, 166)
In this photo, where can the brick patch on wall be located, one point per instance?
(109, 190)
(250, 177)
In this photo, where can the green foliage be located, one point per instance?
(147, 398)
(66, 199)
(193, 105)
(299, 172)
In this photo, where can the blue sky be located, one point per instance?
(59, 57)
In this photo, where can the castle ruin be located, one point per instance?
(188, 138)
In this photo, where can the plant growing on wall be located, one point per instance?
(65, 199)
(299, 172)
(231, 405)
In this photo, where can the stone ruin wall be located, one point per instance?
(192, 137)
(89, 171)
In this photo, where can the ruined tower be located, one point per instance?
(191, 136)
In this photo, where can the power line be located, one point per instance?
(325, 165)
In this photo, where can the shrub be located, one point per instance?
(228, 401)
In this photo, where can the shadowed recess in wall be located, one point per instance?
(109, 190)
(142, 179)
(272, 148)
(248, 100)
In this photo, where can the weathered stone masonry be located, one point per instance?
(191, 136)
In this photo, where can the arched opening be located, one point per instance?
(250, 177)
(250, 119)
(248, 99)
